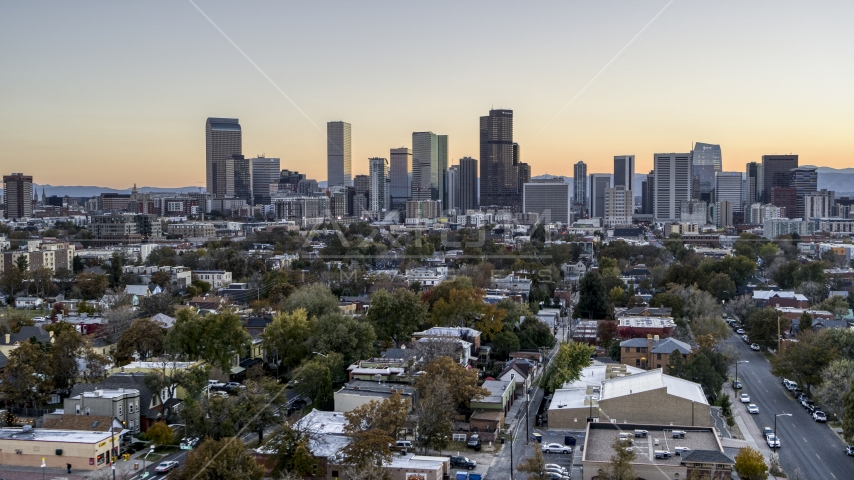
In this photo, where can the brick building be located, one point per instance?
(652, 352)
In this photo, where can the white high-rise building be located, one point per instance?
(673, 183)
(339, 156)
(549, 198)
(453, 188)
(379, 185)
(760, 212)
(818, 205)
(619, 206)
(730, 187)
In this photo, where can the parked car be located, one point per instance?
(558, 471)
(819, 416)
(745, 398)
(165, 467)
(736, 385)
(555, 476)
(745, 338)
(752, 408)
(849, 450)
(463, 462)
(754, 347)
(740, 331)
(474, 442)
(189, 443)
(767, 431)
(772, 441)
(556, 448)
(554, 466)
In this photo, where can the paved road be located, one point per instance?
(804, 444)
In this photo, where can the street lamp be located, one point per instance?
(775, 426)
(736, 368)
(512, 436)
(144, 473)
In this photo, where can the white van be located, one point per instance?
(790, 385)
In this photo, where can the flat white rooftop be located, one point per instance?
(43, 435)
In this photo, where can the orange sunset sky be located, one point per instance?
(116, 93)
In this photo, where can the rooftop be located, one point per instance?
(652, 380)
(664, 345)
(600, 437)
(108, 393)
(46, 435)
(647, 322)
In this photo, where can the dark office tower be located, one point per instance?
(579, 184)
(523, 175)
(499, 184)
(648, 194)
(265, 172)
(598, 183)
(777, 173)
(400, 167)
(468, 184)
(754, 183)
(453, 192)
(805, 181)
(361, 194)
(339, 157)
(787, 198)
(242, 177)
(425, 161)
(706, 160)
(439, 178)
(18, 190)
(223, 139)
(624, 171)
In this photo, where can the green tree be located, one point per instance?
(708, 368)
(22, 263)
(24, 383)
(805, 359)
(620, 466)
(154, 304)
(768, 252)
(372, 428)
(836, 376)
(503, 344)
(592, 302)
(848, 412)
(314, 381)
(720, 286)
(161, 278)
(396, 315)
(566, 365)
(68, 345)
(836, 305)
(225, 459)
(260, 401)
(750, 464)
(315, 299)
(288, 335)
(676, 365)
(215, 338)
(161, 434)
(805, 322)
(144, 338)
(91, 285)
(668, 300)
(534, 334)
(535, 465)
(433, 415)
(785, 275)
(12, 281)
(762, 326)
(352, 338)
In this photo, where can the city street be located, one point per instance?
(804, 444)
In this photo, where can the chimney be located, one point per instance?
(8, 339)
(649, 350)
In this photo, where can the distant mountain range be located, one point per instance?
(840, 180)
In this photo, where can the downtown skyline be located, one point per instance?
(122, 103)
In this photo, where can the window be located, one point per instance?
(637, 362)
(659, 366)
(130, 407)
(132, 429)
(120, 410)
(87, 410)
(658, 356)
(628, 349)
(77, 408)
(637, 349)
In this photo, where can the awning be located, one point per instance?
(236, 370)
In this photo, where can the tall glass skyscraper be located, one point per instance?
(425, 160)
(754, 183)
(776, 173)
(379, 185)
(672, 183)
(624, 171)
(706, 160)
(468, 184)
(499, 183)
(339, 157)
(579, 181)
(265, 171)
(399, 170)
(223, 140)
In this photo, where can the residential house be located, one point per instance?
(488, 413)
(643, 326)
(150, 409)
(771, 298)
(217, 278)
(357, 393)
(28, 302)
(10, 341)
(652, 352)
(520, 370)
(120, 403)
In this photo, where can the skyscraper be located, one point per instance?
(339, 157)
(728, 187)
(805, 180)
(648, 194)
(265, 172)
(18, 190)
(706, 161)
(379, 185)
(468, 184)
(425, 160)
(400, 168)
(673, 182)
(498, 173)
(624, 171)
(598, 183)
(754, 183)
(453, 192)
(223, 139)
(579, 180)
(776, 172)
(439, 176)
(549, 198)
(242, 177)
(618, 206)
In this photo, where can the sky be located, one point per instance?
(114, 93)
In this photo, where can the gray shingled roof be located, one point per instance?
(707, 456)
(120, 380)
(665, 345)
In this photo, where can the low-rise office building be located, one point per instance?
(623, 393)
(32, 447)
(701, 454)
